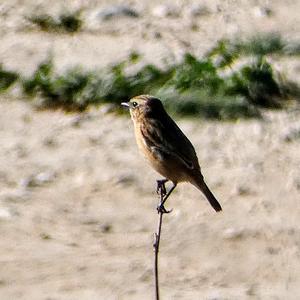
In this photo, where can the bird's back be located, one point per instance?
(165, 132)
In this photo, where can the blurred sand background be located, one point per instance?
(77, 202)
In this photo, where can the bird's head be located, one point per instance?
(144, 106)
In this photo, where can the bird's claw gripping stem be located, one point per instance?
(162, 210)
(161, 188)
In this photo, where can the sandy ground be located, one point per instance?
(77, 202)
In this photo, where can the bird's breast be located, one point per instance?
(141, 141)
(161, 161)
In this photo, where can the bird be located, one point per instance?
(166, 148)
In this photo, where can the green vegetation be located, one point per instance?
(210, 87)
(201, 104)
(258, 45)
(67, 22)
(76, 89)
(262, 44)
(257, 84)
(67, 90)
(7, 78)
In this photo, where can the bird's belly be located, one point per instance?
(164, 164)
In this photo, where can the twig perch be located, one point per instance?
(161, 190)
(156, 250)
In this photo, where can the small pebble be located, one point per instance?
(273, 251)
(45, 236)
(107, 108)
(293, 135)
(89, 221)
(125, 178)
(37, 180)
(49, 142)
(14, 195)
(251, 290)
(198, 10)
(157, 35)
(232, 233)
(5, 214)
(117, 11)
(259, 11)
(242, 190)
(79, 119)
(164, 10)
(106, 228)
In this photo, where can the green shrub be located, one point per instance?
(196, 84)
(192, 73)
(117, 86)
(262, 44)
(257, 84)
(66, 91)
(66, 22)
(211, 87)
(224, 54)
(203, 104)
(7, 78)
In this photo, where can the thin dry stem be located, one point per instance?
(156, 250)
(161, 211)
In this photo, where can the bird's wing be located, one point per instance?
(167, 138)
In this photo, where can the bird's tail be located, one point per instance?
(201, 185)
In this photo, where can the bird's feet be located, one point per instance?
(161, 188)
(162, 210)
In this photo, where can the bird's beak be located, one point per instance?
(126, 104)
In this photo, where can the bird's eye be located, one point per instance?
(134, 104)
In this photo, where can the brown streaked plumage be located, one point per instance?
(165, 146)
